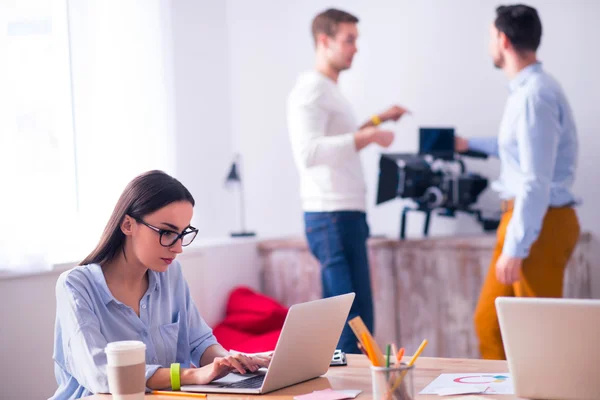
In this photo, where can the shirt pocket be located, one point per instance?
(169, 335)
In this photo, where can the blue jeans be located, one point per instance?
(339, 241)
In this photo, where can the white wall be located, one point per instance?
(202, 132)
(430, 56)
(212, 270)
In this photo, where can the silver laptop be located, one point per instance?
(552, 346)
(304, 350)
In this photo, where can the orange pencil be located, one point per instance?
(369, 349)
(178, 394)
(399, 356)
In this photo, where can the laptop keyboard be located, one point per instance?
(251, 383)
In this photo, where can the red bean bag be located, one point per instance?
(252, 322)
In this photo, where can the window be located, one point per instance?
(86, 108)
(36, 141)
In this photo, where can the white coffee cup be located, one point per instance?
(126, 368)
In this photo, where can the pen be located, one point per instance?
(182, 394)
(388, 350)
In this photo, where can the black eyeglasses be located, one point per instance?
(168, 237)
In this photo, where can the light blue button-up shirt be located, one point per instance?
(537, 146)
(88, 317)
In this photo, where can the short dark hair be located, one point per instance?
(521, 24)
(327, 22)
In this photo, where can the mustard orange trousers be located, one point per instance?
(541, 276)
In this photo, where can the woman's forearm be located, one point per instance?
(216, 350)
(162, 378)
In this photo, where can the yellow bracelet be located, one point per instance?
(175, 376)
(376, 120)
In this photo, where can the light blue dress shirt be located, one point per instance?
(537, 145)
(88, 317)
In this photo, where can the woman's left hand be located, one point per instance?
(254, 362)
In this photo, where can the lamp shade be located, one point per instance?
(233, 175)
(234, 180)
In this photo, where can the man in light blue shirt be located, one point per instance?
(537, 146)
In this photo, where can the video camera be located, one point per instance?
(434, 178)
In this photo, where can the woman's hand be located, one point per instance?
(221, 366)
(262, 360)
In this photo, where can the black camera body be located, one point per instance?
(436, 178)
(413, 177)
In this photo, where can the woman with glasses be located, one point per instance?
(130, 287)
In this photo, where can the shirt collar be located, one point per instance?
(107, 296)
(98, 277)
(524, 75)
(152, 281)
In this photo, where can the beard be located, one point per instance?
(498, 61)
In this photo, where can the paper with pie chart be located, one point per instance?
(492, 383)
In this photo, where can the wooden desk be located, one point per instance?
(358, 376)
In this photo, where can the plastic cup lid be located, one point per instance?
(125, 345)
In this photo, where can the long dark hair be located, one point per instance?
(145, 194)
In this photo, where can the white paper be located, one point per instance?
(330, 394)
(350, 393)
(467, 389)
(470, 398)
(494, 383)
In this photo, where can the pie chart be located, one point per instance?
(481, 379)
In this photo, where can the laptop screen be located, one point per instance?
(438, 142)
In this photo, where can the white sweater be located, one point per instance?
(321, 126)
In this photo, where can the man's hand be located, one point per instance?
(508, 269)
(460, 144)
(393, 113)
(372, 134)
(383, 138)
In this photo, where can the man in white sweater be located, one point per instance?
(326, 139)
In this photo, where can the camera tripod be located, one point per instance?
(488, 224)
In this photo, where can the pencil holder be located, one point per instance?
(393, 383)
